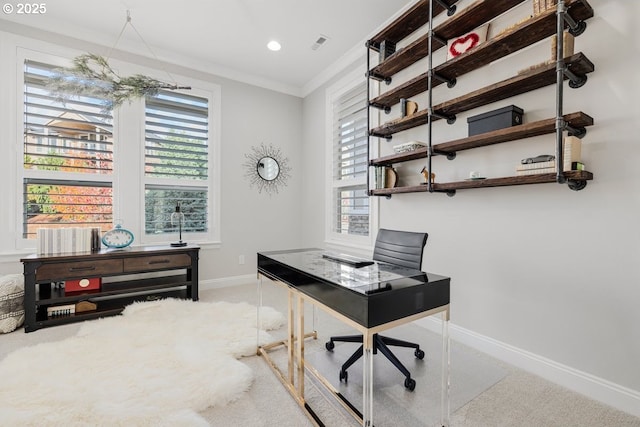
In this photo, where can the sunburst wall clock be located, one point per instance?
(267, 169)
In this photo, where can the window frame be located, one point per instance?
(334, 93)
(29, 176)
(212, 184)
(127, 178)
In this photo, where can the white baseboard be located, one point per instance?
(607, 392)
(227, 281)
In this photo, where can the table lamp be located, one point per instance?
(177, 218)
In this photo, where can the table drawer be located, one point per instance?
(70, 270)
(159, 262)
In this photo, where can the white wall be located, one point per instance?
(552, 272)
(249, 222)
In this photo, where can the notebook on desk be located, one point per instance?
(347, 259)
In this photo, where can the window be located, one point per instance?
(67, 173)
(84, 167)
(351, 202)
(349, 215)
(176, 161)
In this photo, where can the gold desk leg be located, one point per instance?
(300, 347)
(258, 310)
(291, 339)
(295, 350)
(367, 379)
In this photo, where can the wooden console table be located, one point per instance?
(127, 275)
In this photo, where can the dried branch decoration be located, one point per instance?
(92, 76)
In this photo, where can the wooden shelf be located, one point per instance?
(109, 307)
(489, 182)
(519, 37)
(513, 39)
(513, 133)
(540, 77)
(462, 22)
(407, 23)
(59, 296)
(525, 130)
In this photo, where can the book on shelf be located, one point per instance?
(380, 177)
(567, 48)
(383, 177)
(540, 6)
(539, 165)
(572, 151)
(408, 146)
(575, 166)
(51, 241)
(571, 159)
(61, 310)
(539, 171)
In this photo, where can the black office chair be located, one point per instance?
(402, 248)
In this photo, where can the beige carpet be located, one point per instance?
(519, 399)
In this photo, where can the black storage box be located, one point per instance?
(494, 120)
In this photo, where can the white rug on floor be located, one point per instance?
(156, 365)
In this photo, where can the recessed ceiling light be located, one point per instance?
(274, 46)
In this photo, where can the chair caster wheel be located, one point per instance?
(419, 354)
(344, 375)
(410, 384)
(329, 345)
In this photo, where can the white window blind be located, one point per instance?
(68, 158)
(176, 161)
(74, 136)
(350, 158)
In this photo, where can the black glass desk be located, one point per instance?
(371, 299)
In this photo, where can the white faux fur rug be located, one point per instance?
(156, 365)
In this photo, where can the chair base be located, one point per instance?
(382, 344)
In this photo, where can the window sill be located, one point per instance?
(15, 255)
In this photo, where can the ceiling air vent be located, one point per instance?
(318, 43)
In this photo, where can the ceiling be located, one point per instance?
(227, 37)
